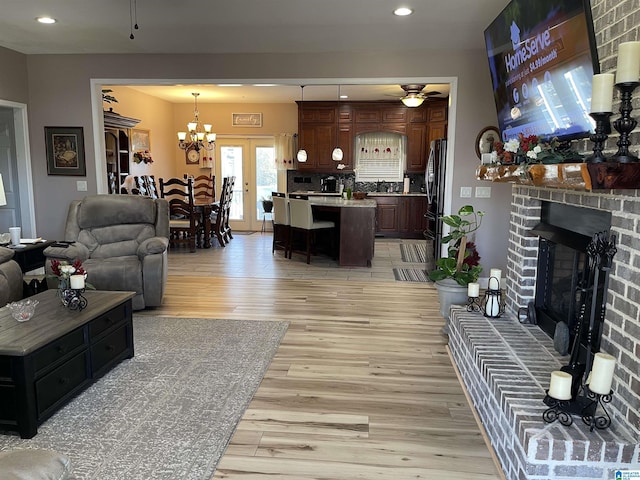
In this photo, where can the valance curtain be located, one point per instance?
(286, 148)
(380, 156)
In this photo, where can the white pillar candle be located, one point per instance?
(495, 279)
(492, 307)
(560, 385)
(628, 62)
(77, 282)
(602, 373)
(473, 290)
(602, 93)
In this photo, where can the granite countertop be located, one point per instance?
(341, 202)
(369, 194)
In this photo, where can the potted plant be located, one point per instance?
(461, 266)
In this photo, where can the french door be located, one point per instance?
(252, 162)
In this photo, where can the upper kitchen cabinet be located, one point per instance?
(324, 125)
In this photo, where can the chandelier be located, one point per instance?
(199, 137)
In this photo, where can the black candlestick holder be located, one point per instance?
(73, 299)
(584, 406)
(625, 124)
(473, 304)
(603, 129)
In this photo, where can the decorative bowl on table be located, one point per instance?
(23, 310)
(359, 195)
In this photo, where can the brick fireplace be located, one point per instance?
(506, 365)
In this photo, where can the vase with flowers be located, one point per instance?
(461, 266)
(532, 149)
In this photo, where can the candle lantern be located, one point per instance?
(492, 305)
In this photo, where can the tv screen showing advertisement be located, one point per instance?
(542, 58)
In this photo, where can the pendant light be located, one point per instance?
(302, 153)
(337, 153)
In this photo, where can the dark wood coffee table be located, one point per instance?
(48, 360)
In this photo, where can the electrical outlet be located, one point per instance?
(81, 185)
(483, 192)
(465, 192)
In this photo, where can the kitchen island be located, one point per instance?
(356, 227)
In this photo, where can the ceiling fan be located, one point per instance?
(414, 94)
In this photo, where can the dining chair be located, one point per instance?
(227, 208)
(183, 218)
(301, 216)
(204, 187)
(281, 222)
(150, 185)
(141, 185)
(219, 217)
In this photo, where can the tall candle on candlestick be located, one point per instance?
(628, 62)
(601, 376)
(602, 93)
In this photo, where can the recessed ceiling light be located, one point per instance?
(402, 11)
(264, 84)
(47, 20)
(229, 85)
(344, 96)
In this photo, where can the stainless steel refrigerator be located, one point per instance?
(434, 185)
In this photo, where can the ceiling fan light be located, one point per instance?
(337, 154)
(302, 155)
(412, 100)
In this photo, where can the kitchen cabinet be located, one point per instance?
(401, 216)
(324, 125)
(319, 134)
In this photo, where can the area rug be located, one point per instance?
(413, 252)
(410, 275)
(169, 412)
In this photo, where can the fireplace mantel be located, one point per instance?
(570, 176)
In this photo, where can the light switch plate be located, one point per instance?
(81, 185)
(465, 192)
(483, 192)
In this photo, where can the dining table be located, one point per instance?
(204, 208)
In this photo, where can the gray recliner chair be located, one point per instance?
(122, 241)
(10, 277)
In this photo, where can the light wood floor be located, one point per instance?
(361, 386)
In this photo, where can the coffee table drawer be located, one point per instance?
(54, 386)
(107, 321)
(108, 348)
(58, 349)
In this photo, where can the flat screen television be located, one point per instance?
(542, 57)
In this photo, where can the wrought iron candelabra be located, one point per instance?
(626, 123)
(73, 299)
(473, 304)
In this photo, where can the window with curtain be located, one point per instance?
(380, 156)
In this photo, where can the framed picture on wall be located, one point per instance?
(140, 140)
(246, 119)
(65, 151)
(486, 139)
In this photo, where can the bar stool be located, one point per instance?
(302, 221)
(281, 222)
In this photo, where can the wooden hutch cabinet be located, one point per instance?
(319, 132)
(117, 140)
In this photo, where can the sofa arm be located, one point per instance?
(72, 252)
(153, 246)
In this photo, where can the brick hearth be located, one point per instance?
(506, 368)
